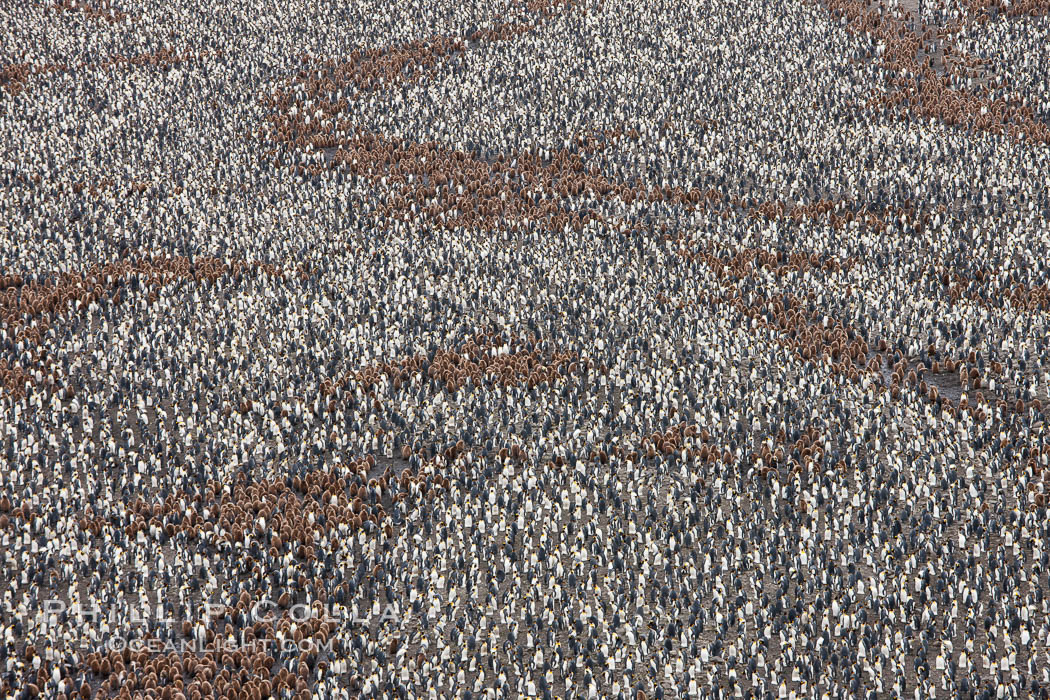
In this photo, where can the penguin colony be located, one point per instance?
(557, 348)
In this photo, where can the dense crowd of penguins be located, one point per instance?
(543, 349)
